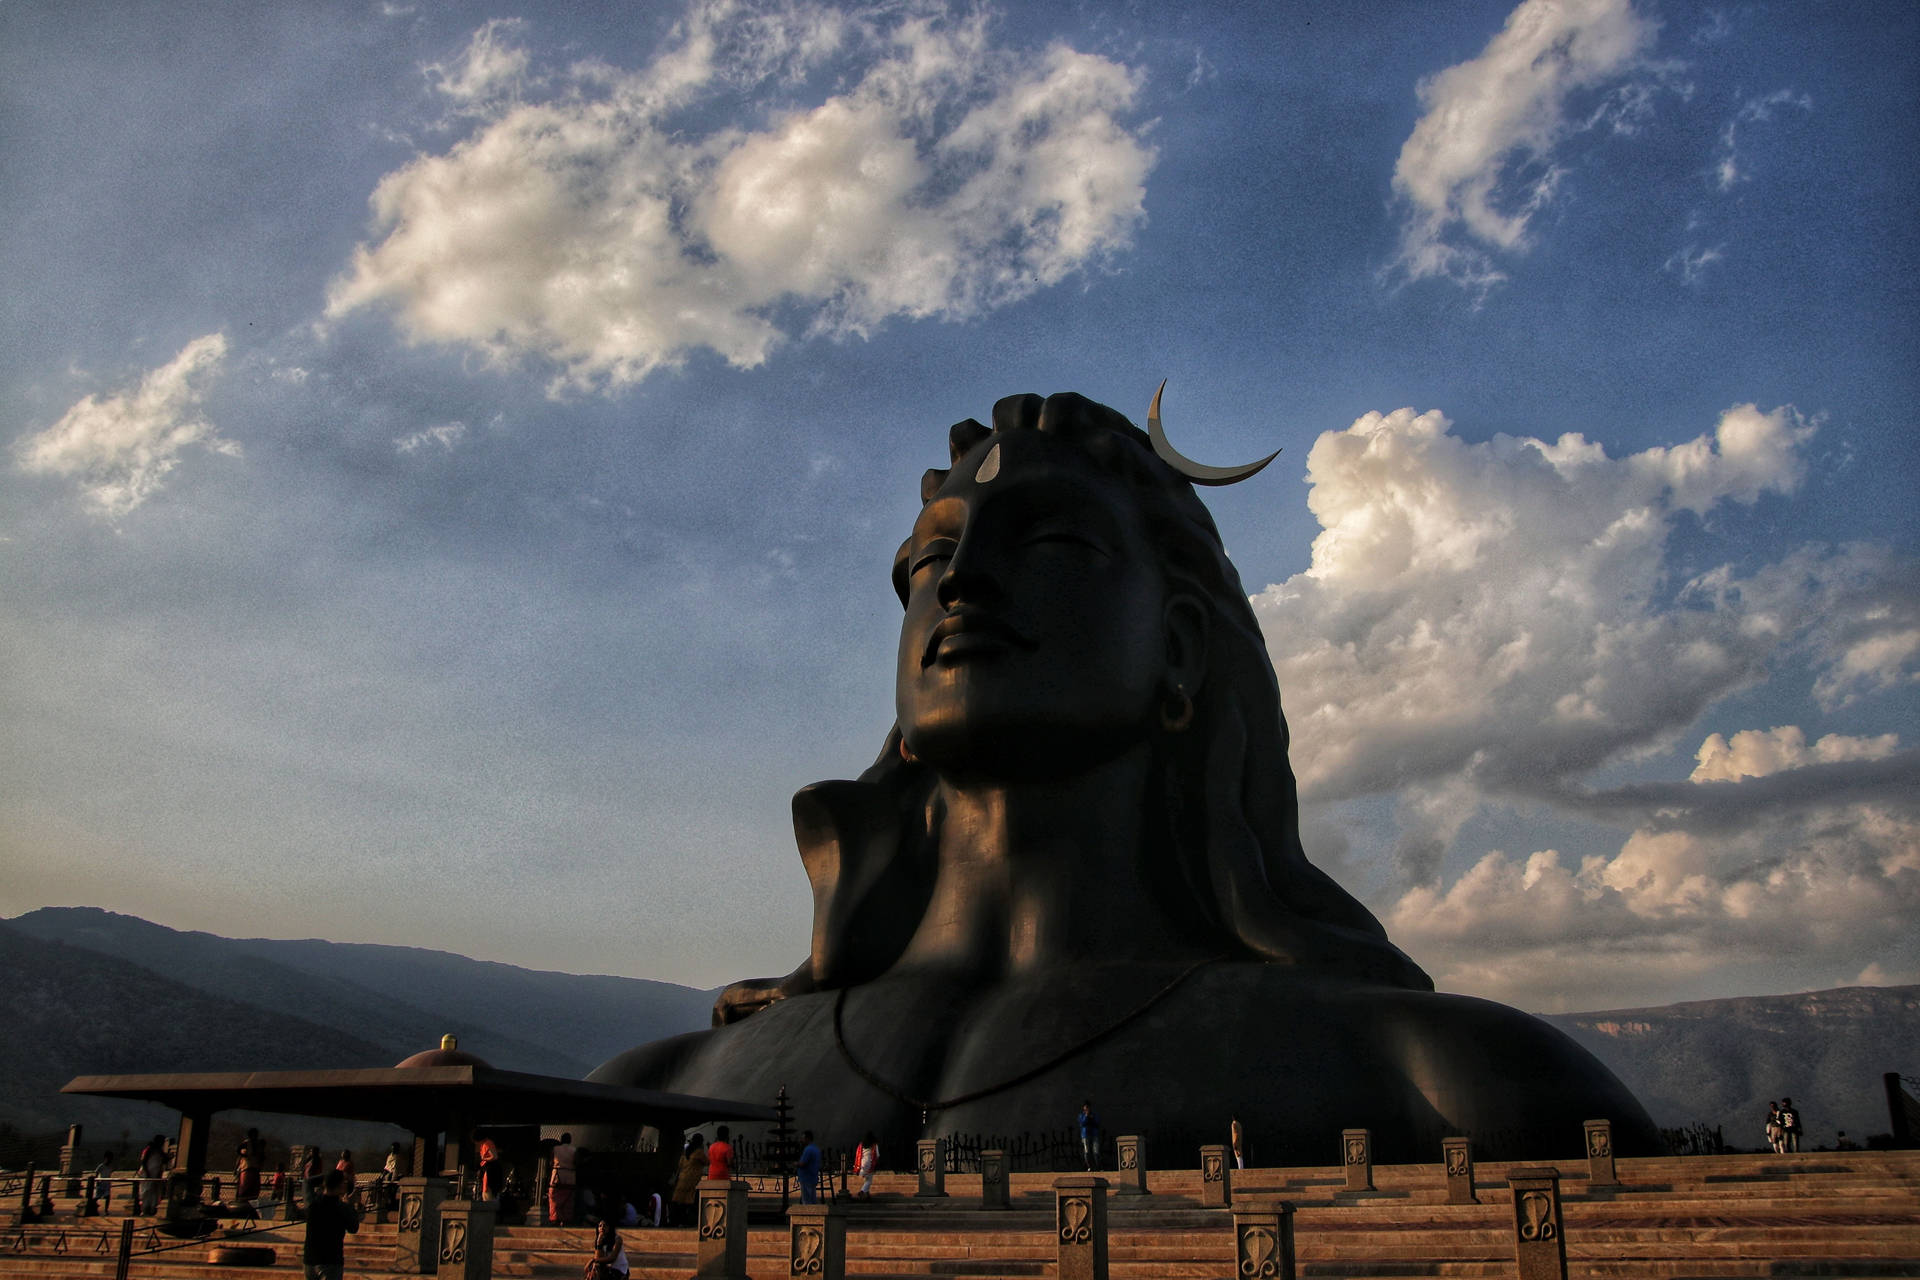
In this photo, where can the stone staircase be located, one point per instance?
(1849, 1214)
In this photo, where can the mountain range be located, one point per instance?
(90, 991)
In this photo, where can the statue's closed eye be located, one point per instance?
(937, 552)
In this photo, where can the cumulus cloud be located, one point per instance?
(1493, 623)
(121, 447)
(1755, 753)
(609, 226)
(1481, 161)
(1831, 887)
(1501, 611)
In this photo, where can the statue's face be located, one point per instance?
(1034, 642)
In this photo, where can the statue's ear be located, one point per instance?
(1187, 623)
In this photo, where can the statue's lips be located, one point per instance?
(967, 631)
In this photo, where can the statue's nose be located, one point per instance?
(967, 575)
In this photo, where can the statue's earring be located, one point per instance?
(1176, 711)
(906, 752)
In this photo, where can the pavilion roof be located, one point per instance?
(421, 1099)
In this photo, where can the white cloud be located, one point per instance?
(121, 447)
(1755, 753)
(1481, 160)
(597, 229)
(446, 436)
(1691, 263)
(1492, 623)
(1728, 170)
(1501, 611)
(490, 68)
(1832, 888)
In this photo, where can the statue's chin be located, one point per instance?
(986, 749)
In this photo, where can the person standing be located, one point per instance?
(310, 1181)
(1773, 1127)
(247, 1166)
(720, 1156)
(560, 1181)
(330, 1220)
(1789, 1125)
(866, 1162)
(1089, 1125)
(103, 1183)
(809, 1170)
(686, 1181)
(1237, 1136)
(153, 1171)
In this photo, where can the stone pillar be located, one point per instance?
(1600, 1154)
(189, 1167)
(1457, 1157)
(24, 1211)
(70, 1161)
(1080, 1224)
(417, 1249)
(466, 1239)
(930, 1158)
(1263, 1240)
(1132, 1153)
(817, 1241)
(721, 1251)
(1356, 1146)
(542, 1174)
(996, 1191)
(302, 1193)
(1216, 1177)
(1539, 1243)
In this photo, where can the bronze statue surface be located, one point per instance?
(1075, 870)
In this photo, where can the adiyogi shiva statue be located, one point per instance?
(1075, 869)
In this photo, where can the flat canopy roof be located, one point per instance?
(421, 1099)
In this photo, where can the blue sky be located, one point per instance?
(454, 454)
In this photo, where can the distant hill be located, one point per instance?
(1721, 1061)
(400, 998)
(69, 1011)
(99, 992)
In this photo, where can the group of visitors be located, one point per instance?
(1783, 1126)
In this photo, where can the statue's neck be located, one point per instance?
(1035, 875)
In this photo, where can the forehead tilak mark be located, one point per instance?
(989, 468)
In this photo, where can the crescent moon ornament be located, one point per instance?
(1198, 472)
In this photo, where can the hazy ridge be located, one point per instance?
(91, 991)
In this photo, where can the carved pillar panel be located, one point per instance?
(70, 1160)
(1356, 1148)
(720, 1250)
(1263, 1240)
(1600, 1154)
(817, 1242)
(1539, 1240)
(1131, 1150)
(1216, 1177)
(1080, 1227)
(416, 1249)
(466, 1240)
(996, 1191)
(1456, 1155)
(930, 1159)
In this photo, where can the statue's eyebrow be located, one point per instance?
(941, 518)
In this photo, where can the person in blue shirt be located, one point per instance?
(1089, 1124)
(809, 1169)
